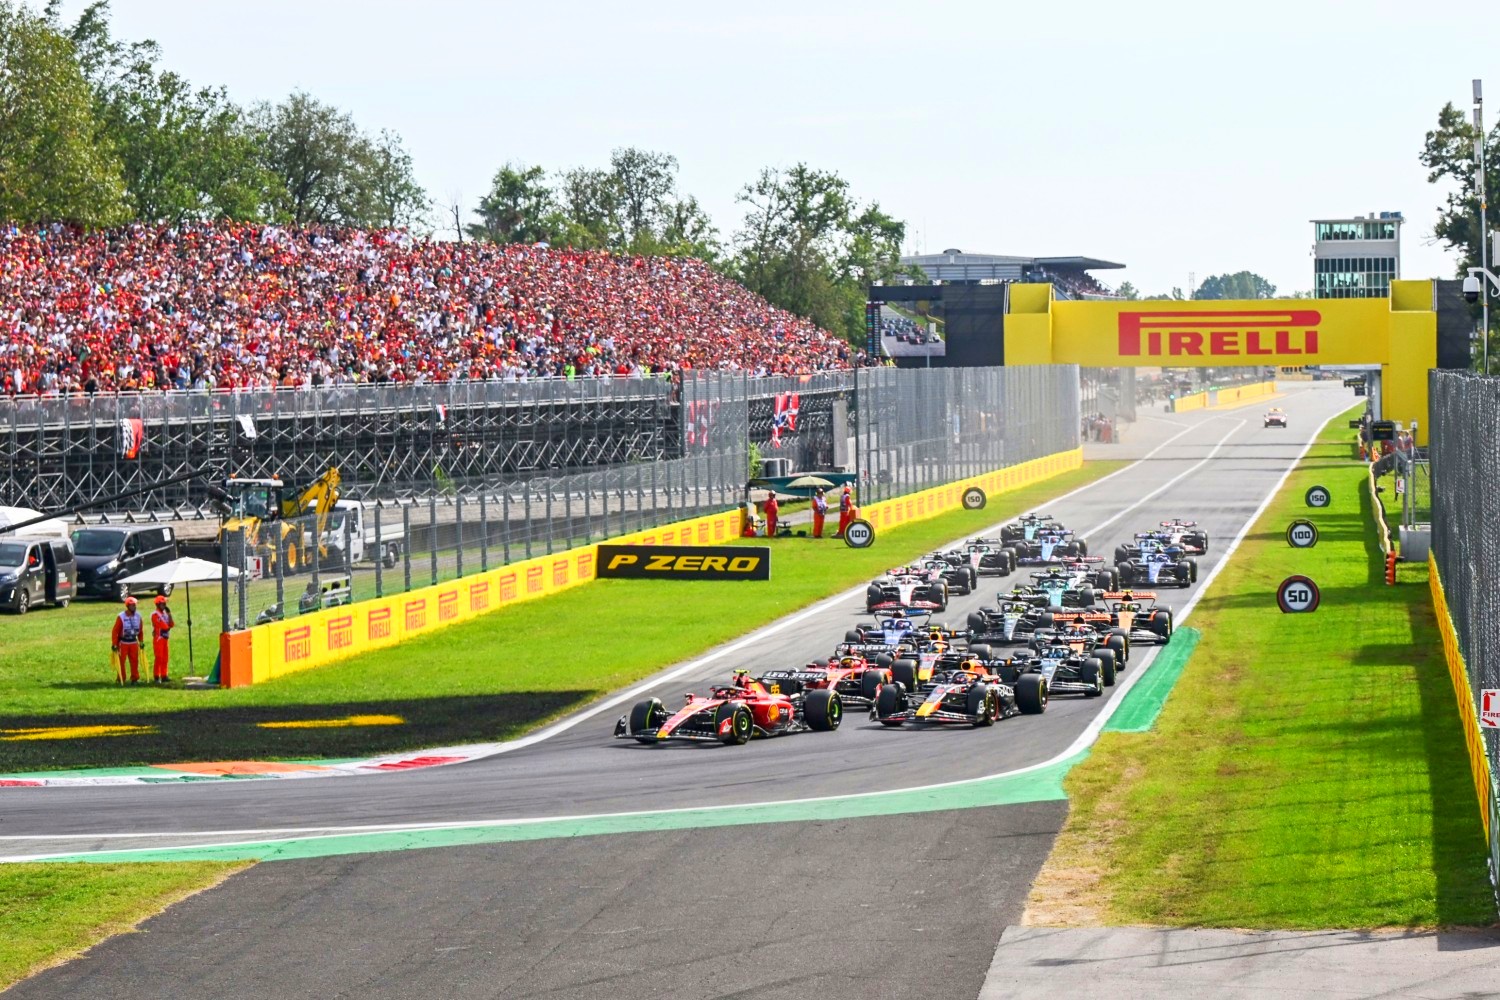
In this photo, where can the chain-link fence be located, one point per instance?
(1465, 503)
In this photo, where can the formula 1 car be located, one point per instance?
(1026, 527)
(954, 569)
(966, 694)
(733, 714)
(1011, 622)
(989, 556)
(1087, 631)
(1138, 614)
(1276, 417)
(1156, 564)
(1072, 584)
(891, 632)
(855, 679)
(1048, 545)
(1176, 533)
(1064, 670)
(906, 587)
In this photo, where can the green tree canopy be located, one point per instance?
(1240, 285)
(518, 208)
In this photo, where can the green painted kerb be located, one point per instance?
(1138, 712)
(1041, 785)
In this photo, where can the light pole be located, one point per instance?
(1484, 254)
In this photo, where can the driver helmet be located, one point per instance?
(741, 679)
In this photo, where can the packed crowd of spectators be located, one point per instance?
(1080, 284)
(230, 306)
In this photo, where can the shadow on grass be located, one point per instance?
(215, 734)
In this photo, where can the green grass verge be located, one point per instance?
(1308, 771)
(52, 912)
(486, 679)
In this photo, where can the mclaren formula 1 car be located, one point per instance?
(1155, 564)
(1137, 613)
(966, 694)
(733, 714)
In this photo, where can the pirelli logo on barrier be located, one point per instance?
(297, 644)
(378, 624)
(683, 562)
(416, 615)
(448, 606)
(479, 595)
(340, 632)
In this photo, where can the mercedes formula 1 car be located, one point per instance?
(733, 713)
(1064, 670)
(988, 556)
(1012, 621)
(966, 694)
(1155, 564)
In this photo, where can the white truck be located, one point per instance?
(363, 540)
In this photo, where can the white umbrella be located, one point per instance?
(185, 571)
(55, 528)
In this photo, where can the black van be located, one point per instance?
(36, 571)
(109, 553)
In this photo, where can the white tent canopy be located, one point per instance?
(184, 570)
(54, 528)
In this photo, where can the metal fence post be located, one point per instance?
(484, 532)
(379, 556)
(432, 535)
(505, 531)
(551, 488)
(526, 496)
(458, 533)
(406, 545)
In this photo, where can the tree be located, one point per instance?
(633, 207)
(1240, 285)
(1175, 295)
(646, 183)
(808, 247)
(589, 202)
(518, 208)
(393, 198)
(55, 161)
(1127, 291)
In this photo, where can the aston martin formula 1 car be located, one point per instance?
(966, 695)
(1155, 564)
(733, 714)
(906, 587)
(1138, 614)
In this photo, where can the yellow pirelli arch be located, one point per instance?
(1398, 333)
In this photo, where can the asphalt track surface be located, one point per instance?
(888, 906)
(1215, 467)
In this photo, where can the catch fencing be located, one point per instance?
(902, 430)
(1465, 508)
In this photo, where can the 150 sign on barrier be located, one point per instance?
(683, 562)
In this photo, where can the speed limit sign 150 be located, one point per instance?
(1302, 534)
(1298, 594)
(1317, 496)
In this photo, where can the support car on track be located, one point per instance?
(1275, 417)
(967, 694)
(733, 714)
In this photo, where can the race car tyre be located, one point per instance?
(740, 727)
(1184, 573)
(973, 577)
(1193, 570)
(1200, 540)
(1031, 694)
(979, 706)
(1083, 546)
(648, 714)
(823, 709)
(1106, 658)
(890, 701)
(1011, 558)
(884, 660)
(870, 681)
(1126, 574)
(1119, 641)
(1086, 597)
(1161, 624)
(853, 636)
(1089, 674)
(1044, 620)
(981, 651)
(943, 598)
(1122, 554)
(904, 672)
(976, 622)
(1114, 579)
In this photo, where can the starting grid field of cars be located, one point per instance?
(1069, 631)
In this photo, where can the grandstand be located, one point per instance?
(237, 306)
(1068, 275)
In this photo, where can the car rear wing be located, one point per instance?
(1082, 560)
(1128, 595)
(1179, 524)
(1082, 616)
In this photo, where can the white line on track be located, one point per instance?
(1085, 739)
(1166, 485)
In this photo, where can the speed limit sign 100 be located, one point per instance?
(1302, 534)
(1297, 594)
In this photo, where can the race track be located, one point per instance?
(1215, 467)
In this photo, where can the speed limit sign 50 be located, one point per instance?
(1302, 534)
(1298, 594)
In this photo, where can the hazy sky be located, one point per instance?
(1174, 138)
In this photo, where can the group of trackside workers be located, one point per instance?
(125, 640)
(847, 511)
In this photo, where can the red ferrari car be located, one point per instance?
(733, 713)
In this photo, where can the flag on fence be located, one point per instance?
(247, 425)
(132, 436)
(701, 414)
(785, 418)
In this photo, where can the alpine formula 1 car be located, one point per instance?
(907, 587)
(1155, 564)
(1276, 417)
(966, 694)
(732, 714)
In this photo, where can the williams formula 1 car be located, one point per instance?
(732, 714)
(1154, 564)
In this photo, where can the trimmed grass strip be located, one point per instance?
(1308, 770)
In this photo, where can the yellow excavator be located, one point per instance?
(260, 510)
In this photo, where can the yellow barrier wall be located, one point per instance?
(1479, 763)
(941, 499)
(1244, 393)
(1192, 401)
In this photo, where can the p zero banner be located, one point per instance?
(683, 562)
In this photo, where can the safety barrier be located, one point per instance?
(1479, 763)
(275, 649)
(1229, 396)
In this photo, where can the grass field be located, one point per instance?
(487, 679)
(52, 912)
(1308, 771)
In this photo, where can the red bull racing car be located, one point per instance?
(963, 692)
